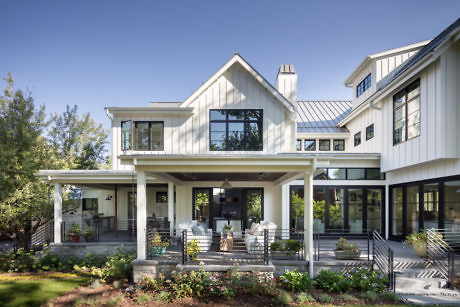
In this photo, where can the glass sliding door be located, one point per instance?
(253, 199)
(335, 209)
(430, 205)
(397, 212)
(319, 206)
(355, 210)
(202, 205)
(452, 205)
(412, 209)
(374, 211)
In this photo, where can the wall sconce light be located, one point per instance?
(109, 197)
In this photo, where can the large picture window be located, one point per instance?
(233, 130)
(147, 135)
(406, 113)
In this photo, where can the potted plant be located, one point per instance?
(89, 233)
(418, 242)
(193, 249)
(74, 232)
(158, 246)
(285, 249)
(346, 251)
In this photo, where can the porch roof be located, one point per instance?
(92, 177)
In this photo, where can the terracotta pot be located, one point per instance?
(420, 249)
(75, 238)
(346, 255)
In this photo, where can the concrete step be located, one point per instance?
(431, 300)
(420, 285)
(417, 273)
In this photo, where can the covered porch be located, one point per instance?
(226, 181)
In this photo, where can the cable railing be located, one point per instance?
(383, 258)
(43, 235)
(324, 242)
(441, 253)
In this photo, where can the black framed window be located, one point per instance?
(324, 145)
(369, 132)
(349, 174)
(309, 145)
(357, 138)
(126, 135)
(89, 204)
(142, 135)
(233, 130)
(339, 145)
(298, 145)
(363, 85)
(406, 113)
(148, 136)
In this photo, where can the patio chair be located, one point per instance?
(254, 237)
(197, 231)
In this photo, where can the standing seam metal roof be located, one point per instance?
(322, 116)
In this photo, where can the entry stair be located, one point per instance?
(418, 282)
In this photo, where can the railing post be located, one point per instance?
(368, 245)
(266, 246)
(184, 246)
(451, 267)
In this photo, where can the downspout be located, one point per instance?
(372, 106)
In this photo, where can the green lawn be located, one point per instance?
(36, 290)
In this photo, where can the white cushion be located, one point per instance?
(258, 230)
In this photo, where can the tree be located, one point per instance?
(79, 141)
(24, 203)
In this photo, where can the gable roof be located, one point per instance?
(383, 54)
(238, 59)
(322, 116)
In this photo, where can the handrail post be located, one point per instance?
(265, 246)
(184, 246)
(451, 266)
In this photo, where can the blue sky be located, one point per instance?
(127, 53)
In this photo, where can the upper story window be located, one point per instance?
(357, 138)
(142, 135)
(363, 85)
(236, 129)
(369, 132)
(310, 145)
(406, 113)
(324, 145)
(339, 145)
(298, 145)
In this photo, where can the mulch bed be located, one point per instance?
(87, 295)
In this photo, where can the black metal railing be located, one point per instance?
(325, 240)
(441, 253)
(383, 258)
(43, 235)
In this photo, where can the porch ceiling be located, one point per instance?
(231, 176)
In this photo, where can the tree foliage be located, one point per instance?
(24, 202)
(78, 140)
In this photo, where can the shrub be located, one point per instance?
(332, 281)
(119, 266)
(282, 299)
(5, 261)
(296, 281)
(325, 299)
(389, 296)
(303, 298)
(190, 283)
(143, 298)
(364, 279)
(347, 297)
(164, 297)
(151, 284)
(255, 283)
(370, 296)
(343, 245)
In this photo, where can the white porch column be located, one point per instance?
(141, 215)
(171, 207)
(308, 220)
(285, 211)
(57, 212)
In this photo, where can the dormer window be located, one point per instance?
(236, 130)
(148, 135)
(363, 85)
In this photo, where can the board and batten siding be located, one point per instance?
(359, 124)
(235, 89)
(440, 111)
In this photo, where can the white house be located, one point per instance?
(388, 160)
